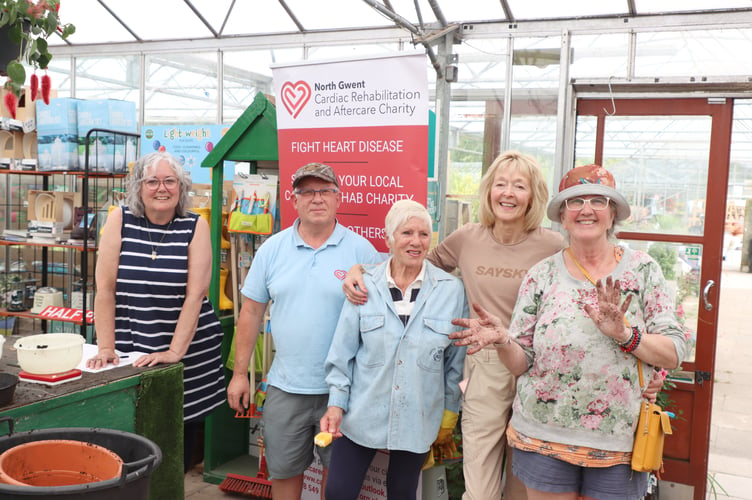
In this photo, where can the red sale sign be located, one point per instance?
(367, 119)
(66, 314)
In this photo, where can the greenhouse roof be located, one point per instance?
(112, 23)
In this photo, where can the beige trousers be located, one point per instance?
(486, 409)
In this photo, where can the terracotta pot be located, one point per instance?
(58, 462)
(140, 456)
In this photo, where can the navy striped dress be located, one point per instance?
(149, 297)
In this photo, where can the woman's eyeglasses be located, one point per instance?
(311, 193)
(153, 183)
(597, 203)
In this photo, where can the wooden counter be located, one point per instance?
(145, 401)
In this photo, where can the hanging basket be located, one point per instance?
(9, 51)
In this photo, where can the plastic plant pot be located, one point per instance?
(58, 462)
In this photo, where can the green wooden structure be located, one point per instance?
(252, 138)
(148, 402)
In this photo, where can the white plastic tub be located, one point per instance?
(49, 353)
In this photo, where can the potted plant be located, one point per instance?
(25, 26)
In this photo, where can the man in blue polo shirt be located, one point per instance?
(300, 270)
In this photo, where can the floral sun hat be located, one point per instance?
(588, 180)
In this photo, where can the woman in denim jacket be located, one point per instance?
(392, 370)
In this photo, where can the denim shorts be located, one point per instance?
(289, 424)
(542, 473)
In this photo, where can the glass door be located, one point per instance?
(670, 159)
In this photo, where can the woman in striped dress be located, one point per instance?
(152, 279)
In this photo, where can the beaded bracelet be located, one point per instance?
(633, 341)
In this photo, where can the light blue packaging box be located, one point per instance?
(107, 152)
(57, 134)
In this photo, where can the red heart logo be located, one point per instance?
(341, 275)
(295, 96)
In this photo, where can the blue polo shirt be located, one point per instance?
(305, 285)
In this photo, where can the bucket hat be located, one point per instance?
(588, 180)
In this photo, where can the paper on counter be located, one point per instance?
(90, 350)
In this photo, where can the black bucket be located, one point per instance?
(140, 457)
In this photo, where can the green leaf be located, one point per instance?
(16, 72)
(53, 20)
(68, 30)
(15, 34)
(44, 60)
(16, 87)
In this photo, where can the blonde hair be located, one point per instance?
(400, 212)
(527, 166)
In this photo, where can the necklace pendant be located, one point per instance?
(153, 255)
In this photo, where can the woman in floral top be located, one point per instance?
(584, 319)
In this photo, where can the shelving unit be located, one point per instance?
(56, 263)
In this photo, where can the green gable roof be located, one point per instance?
(252, 137)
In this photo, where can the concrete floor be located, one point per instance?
(730, 458)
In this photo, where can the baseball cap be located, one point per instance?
(318, 170)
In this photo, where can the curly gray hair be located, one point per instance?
(143, 169)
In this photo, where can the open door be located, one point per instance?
(670, 158)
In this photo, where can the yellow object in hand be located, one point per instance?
(429, 461)
(323, 439)
(444, 446)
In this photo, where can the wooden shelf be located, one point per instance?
(55, 262)
(30, 315)
(34, 243)
(77, 173)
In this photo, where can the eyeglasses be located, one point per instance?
(153, 183)
(598, 203)
(311, 193)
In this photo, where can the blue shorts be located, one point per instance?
(289, 424)
(542, 473)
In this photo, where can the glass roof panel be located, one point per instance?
(525, 9)
(350, 51)
(406, 9)
(174, 19)
(698, 53)
(250, 17)
(653, 7)
(162, 20)
(472, 10)
(594, 56)
(482, 64)
(214, 11)
(335, 14)
(93, 24)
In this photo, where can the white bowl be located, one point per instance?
(49, 353)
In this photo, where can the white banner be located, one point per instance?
(368, 119)
(371, 92)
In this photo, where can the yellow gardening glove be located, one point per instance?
(428, 462)
(444, 446)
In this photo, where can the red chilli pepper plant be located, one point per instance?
(25, 26)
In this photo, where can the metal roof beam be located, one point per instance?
(201, 18)
(736, 18)
(250, 42)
